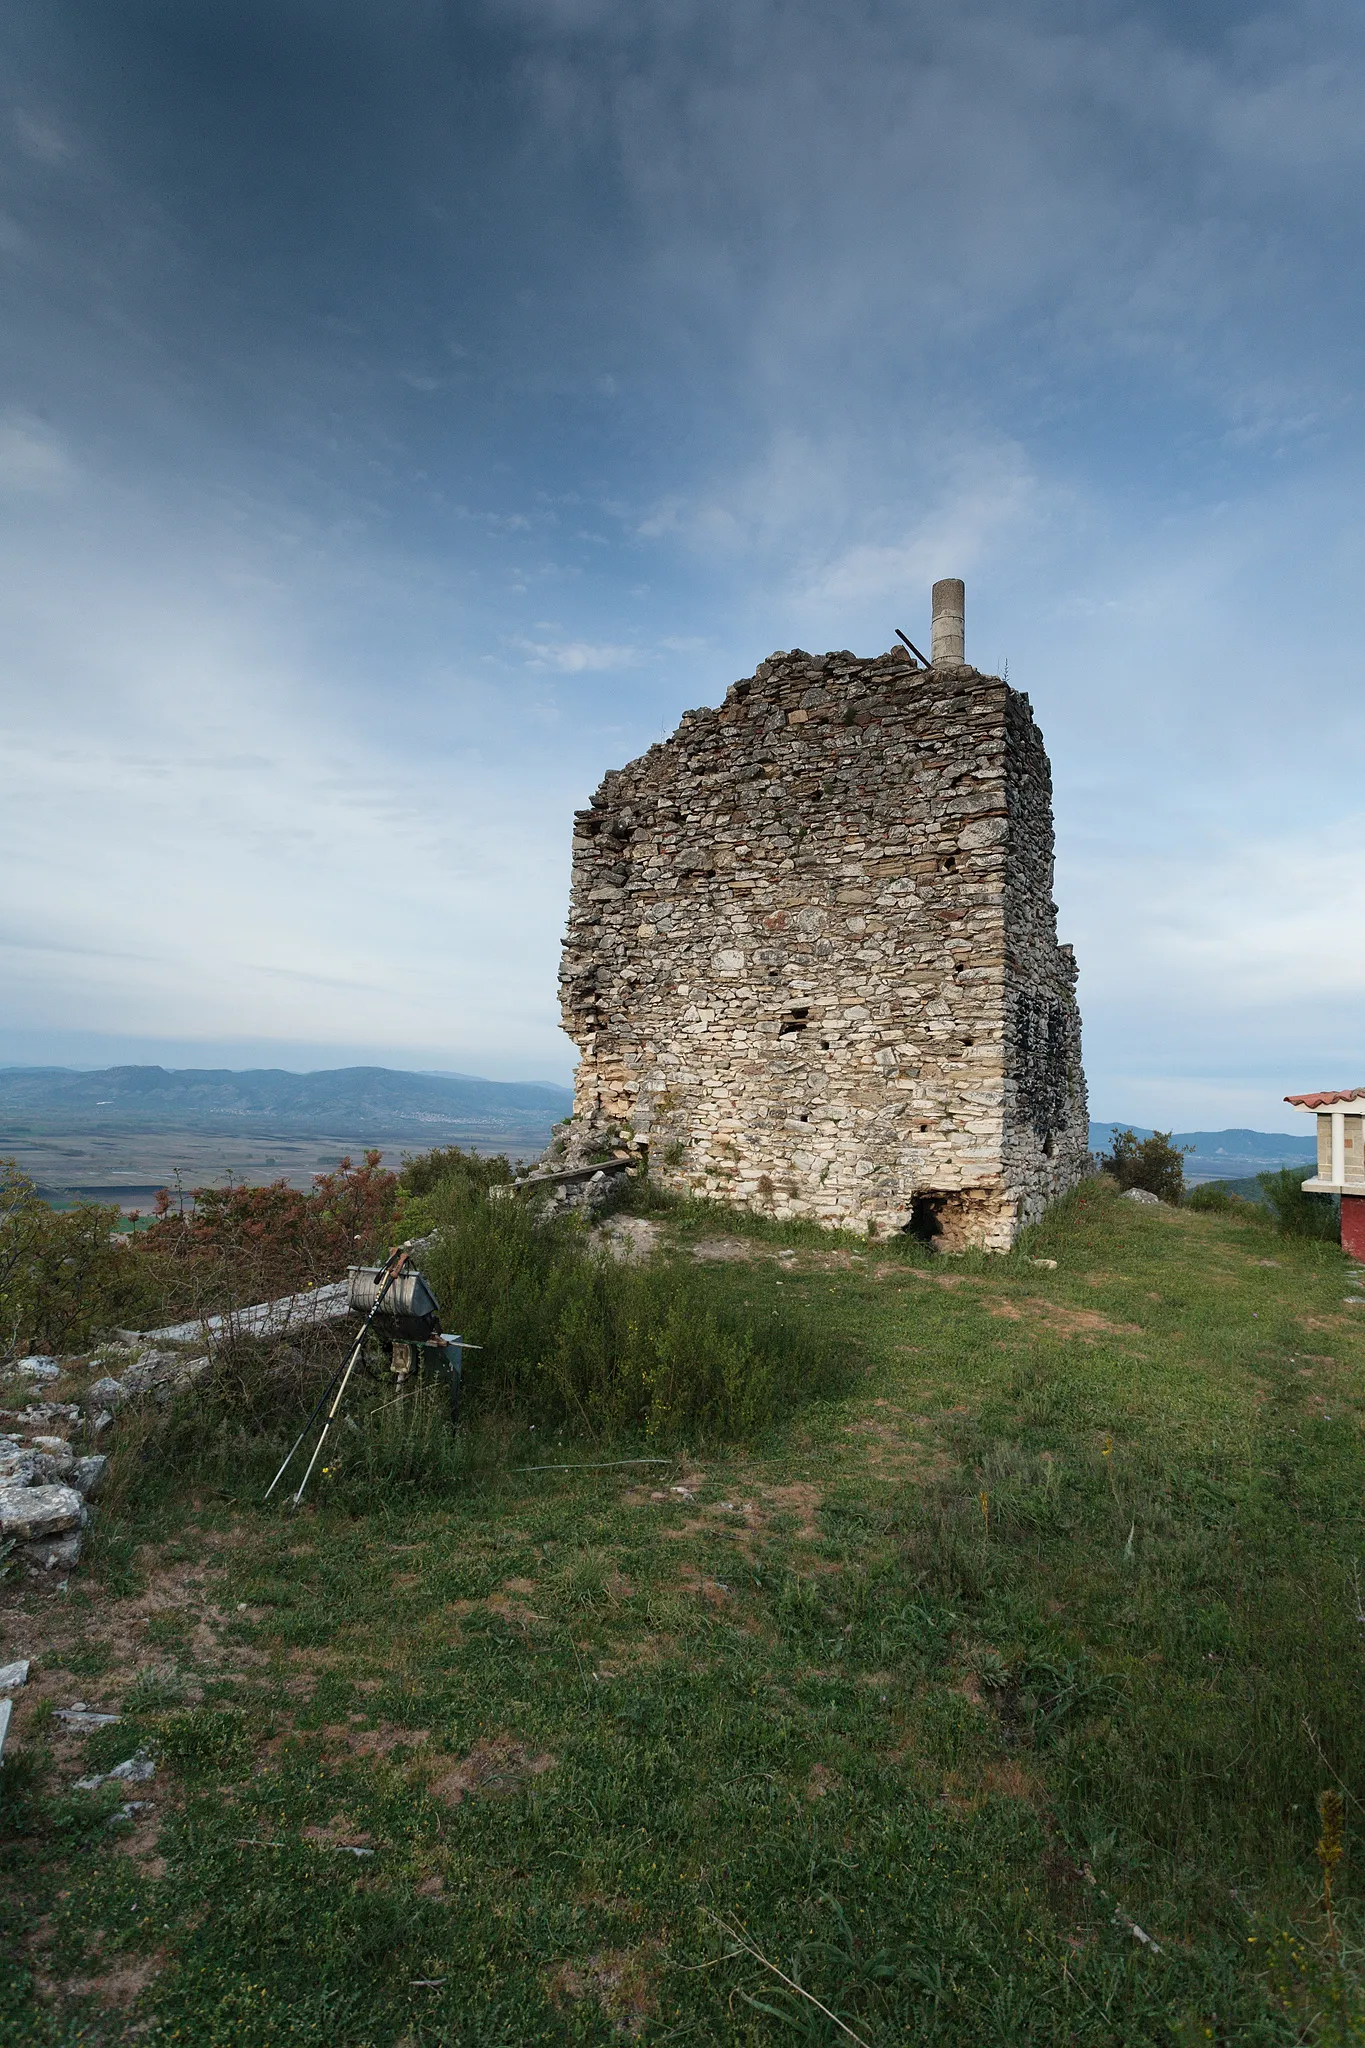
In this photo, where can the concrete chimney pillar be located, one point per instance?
(950, 602)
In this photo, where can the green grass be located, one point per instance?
(1046, 1625)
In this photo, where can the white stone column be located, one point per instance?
(949, 623)
(1338, 1146)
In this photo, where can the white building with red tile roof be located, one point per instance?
(1341, 1157)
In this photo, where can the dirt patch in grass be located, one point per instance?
(999, 1778)
(821, 1781)
(713, 1591)
(801, 1499)
(139, 1838)
(380, 1741)
(338, 1834)
(1062, 1320)
(516, 1611)
(497, 1764)
(616, 1980)
(114, 1988)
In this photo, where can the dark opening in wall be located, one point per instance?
(926, 1218)
(795, 1020)
(1049, 1146)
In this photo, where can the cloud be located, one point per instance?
(32, 458)
(578, 657)
(39, 138)
(796, 308)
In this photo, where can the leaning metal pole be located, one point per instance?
(393, 1267)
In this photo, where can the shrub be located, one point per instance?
(1154, 1163)
(63, 1281)
(571, 1338)
(1297, 1214)
(239, 1244)
(1213, 1198)
(426, 1172)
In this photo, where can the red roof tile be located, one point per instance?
(1324, 1097)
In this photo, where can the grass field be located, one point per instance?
(896, 1725)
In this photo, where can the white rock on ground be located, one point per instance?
(14, 1675)
(105, 1393)
(38, 1367)
(30, 1512)
(1140, 1195)
(79, 1719)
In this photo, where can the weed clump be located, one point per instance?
(1297, 1214)
(571, 1339)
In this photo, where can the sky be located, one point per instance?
(409, 408)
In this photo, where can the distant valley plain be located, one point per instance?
(119, 1134)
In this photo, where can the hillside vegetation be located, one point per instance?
(989, 1693)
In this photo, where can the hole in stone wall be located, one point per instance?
(950, 864)
(795, 1020)
(926, 1218)
(1049, 1146)
(824, 1045)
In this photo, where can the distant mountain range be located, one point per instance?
(1225, 1155)
(357, 1099)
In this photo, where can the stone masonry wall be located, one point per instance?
(811, 962)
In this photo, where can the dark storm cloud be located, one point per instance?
(316, 220)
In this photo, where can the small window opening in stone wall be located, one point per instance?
(1049, 1146)
(926, 1218)
(950, 864)
(795, 1020)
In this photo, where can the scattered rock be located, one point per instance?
(150, 1369)
(19, 1466)
(87, 1474)
(14, 1675)
(1049, 1265)
(38, 1368)
(1140, 1195)
(79, 1719)
(30, 1512)
(134, 1770)
(56, 1456)
(58, 1553)
(106, 1393)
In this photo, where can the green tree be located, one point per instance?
(66, 1278)
(1155, 1163)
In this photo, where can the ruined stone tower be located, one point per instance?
(812, 962)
